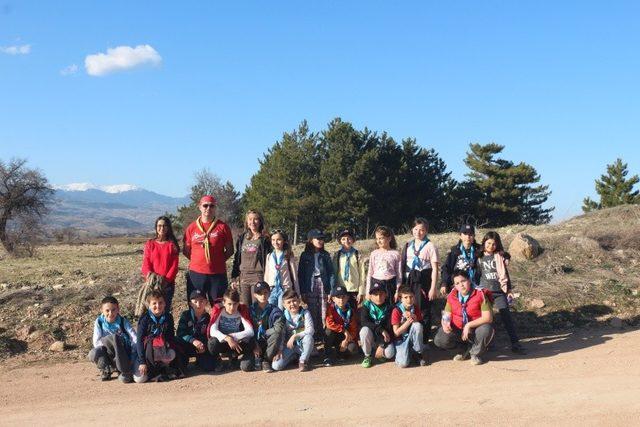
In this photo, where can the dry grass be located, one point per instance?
(589, 271)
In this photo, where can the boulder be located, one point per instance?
(585, 243)
(57, 346)
(524, 247)
(537, 303)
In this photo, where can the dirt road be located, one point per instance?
(585, 378)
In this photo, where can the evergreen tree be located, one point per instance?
(508, 194)
(286, 187)
(614, 188)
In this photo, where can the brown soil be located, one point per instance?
(582, 378)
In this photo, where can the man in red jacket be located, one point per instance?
(466, 320)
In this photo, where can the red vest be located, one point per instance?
(217, 308)
(475, 301)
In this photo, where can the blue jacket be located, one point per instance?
(307, 266)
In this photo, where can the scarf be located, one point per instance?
(463, 301)
(297, 326)
(110, 328)
(402, 310)
(417, 262)
(347, 266)
(278, 265)
(157, 323)
(205, 242)
(261, 320)
(469, 260)
(345, 315)
(376, 312)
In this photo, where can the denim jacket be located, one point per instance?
(307, 266)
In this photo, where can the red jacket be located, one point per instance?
(217, 309)
(474, 304)
(336, 323)
(160, 258)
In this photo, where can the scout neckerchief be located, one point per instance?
(261, 320)
(376, 312)
(205, 242)
(116, 328)
(463, 302)
(402, 310)
(469, 259)
(345, 315)
(297, 326)
(278, 265)
(347, 267)
(157, 323)
(417, 262)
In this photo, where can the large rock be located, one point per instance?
(57, 346)
(524, 247)
(585, 243)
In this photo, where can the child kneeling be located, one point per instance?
(341, 333)
(156, 347)
(231, 331)
(374, 319)
(113, 342)
(406, 320)
(298, 334)
(269, 322)
(192, 332)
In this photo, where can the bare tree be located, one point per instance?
(24, 197)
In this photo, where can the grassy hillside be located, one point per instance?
(588, 274)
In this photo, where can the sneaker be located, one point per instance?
(475, 360)
(518, 349)
(105, 374)
(266, 367)
(257, 364)
(303, 367)
(327, 362)
(424, 359)
(460, 357)
(367, 362)
(126, 378)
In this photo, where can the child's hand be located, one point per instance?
(432, 293)
(446, 327)
(277, 357)
(198, 345)
(396, 297)
(329, 298)
(465, 332)
(343, 345)
(347, 336)
(257, 351)
(233, 344)
(143, 370)
(360, 299)
(291, 342)
(386, 336)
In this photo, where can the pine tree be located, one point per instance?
(614, 188)
(508, 194)
(286, 187)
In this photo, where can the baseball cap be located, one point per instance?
(377, 287)
(315, 234)
(346, 232)
(197, 293)
(467, 229)
(339, 291)
(208, 199)
(261, 287)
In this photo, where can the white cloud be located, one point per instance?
(24, 49)
(69, 70)
(121, 58)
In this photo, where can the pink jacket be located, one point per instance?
(503, 273)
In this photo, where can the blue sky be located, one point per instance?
(555, 82)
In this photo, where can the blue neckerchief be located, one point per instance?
(469, 259)
(402, 310)
(278, 264)
(346, 316)
(377, 313)
(157, 323)
(347, 267)
(261, 320)
(117, 328)
(463, 302)
(417, 262)
(297, 327)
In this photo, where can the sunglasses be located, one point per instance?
(206, 206)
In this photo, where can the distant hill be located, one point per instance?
(109, 210)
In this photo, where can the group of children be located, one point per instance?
(292, 308)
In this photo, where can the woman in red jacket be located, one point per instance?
(161, 256)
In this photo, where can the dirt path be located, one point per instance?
(587, 378)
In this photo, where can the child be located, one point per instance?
(281, 269)
(349, 269)
(374, 319)
(405, 319)
(298, 336)
(230, 330)
(341, 333)
(317, 278)
(113, 342)
(250, 256)
(192, 332)
(494, 276)
(464, 257)
(466, 320)
(156, 342)
(268, 321)
(420, 265)
(385, 263)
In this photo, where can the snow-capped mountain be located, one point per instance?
(109, 209)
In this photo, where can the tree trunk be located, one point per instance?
(8, 246)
